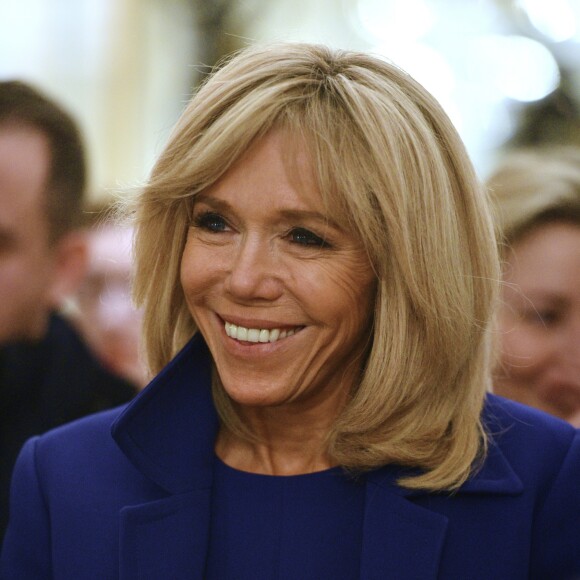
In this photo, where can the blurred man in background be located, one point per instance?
(48, 376)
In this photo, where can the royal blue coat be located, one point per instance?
(126, 494)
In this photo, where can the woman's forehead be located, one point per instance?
(278, 160)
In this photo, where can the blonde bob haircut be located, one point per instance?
(390, 164)
(530, 187)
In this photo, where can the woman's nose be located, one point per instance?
(253, 273)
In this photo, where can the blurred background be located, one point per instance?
(506, 71)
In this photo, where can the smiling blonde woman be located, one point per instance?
(318, 270)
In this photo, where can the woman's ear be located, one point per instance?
(70, 266)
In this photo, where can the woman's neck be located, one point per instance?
(286, 444)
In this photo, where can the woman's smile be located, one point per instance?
(258, 335)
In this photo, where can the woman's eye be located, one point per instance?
(305, 237)
(545, 318)
(211, 222)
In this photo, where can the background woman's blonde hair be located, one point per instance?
(391, 167)
(530, 187)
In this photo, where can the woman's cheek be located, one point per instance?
(524, 350)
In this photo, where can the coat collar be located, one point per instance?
(168, 430)
(168, 433)
(494, 477)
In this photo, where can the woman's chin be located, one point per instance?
(255, 397)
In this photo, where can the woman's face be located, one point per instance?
(540, 321)
(282, 295)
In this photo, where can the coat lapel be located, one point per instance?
(166, 538)
(168, 434)
(400, 539)
(404, 540)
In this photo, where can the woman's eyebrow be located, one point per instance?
(214, 203)
(300, 215)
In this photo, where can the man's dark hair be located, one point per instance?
(21, 105)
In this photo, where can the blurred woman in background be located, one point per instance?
(537, 194)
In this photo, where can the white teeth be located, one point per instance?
(256, 334)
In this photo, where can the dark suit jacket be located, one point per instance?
(46, 384)
(136, 505)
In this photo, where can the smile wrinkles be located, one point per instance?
(257, 334)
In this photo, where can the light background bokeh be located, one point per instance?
(126, 68)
